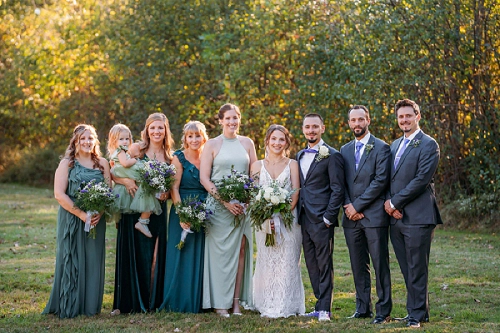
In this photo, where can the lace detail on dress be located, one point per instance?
(278, 288)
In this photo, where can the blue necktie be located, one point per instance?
(310, 150)
(400, 153)
(359, 145)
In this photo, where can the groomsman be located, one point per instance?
(411, 203)
(366, 225)
(321, 197)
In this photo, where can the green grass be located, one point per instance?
(464, 283)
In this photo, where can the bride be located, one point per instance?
(278, 289)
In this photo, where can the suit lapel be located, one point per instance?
(299, 156)
(407, 151)
(365, 155)
(313, 165)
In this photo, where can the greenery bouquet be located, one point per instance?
(194, 212)
(157, 177)
(94, 198)
(237, 188)
(272, 205)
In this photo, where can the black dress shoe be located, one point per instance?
(413, 323)
(381, 320)
(425, 320)
(361, 315)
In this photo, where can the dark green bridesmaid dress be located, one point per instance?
(184, 268)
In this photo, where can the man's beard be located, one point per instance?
(363, 131)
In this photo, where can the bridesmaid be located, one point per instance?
(79, 277)
(140, 261)
(184, 268)
(227, 277)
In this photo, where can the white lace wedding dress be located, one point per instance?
(278, 289)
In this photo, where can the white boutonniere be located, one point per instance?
(368, 148)
(322, 153)
(415, 143)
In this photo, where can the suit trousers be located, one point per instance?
(317, 241)
(412, 245)
(364, 243)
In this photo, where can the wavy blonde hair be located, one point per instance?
(74, 146)
(114, 135)
(168, 141)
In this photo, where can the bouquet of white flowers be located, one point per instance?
(236, 187)
(193, 211)
(157, 177)
(94, 198)
(272, 204)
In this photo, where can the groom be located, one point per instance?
(321, 196)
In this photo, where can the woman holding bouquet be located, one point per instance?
(228, 248)
(140, 261)
(278, 288)
(79, 276)
(184, 267)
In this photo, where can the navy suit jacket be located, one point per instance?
(322, 190)
(366, 187)
(412, 182)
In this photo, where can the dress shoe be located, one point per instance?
(381, 319)
(361, 315)
(314, 314)
(324, 316)
(425, 320)
(413, 323)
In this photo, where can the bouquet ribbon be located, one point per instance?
(276, 218)
(184, 234)
(234, 201)
(88, 219)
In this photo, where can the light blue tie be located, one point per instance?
(359, 145)
(400, 153)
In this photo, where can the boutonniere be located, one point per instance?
(322, 153)
(415, 143)
(368, 148)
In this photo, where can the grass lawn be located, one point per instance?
(464, 283)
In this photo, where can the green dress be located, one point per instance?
(184, 268)
(79, 275)
(142, 201)
(140, 264)
(223, 240)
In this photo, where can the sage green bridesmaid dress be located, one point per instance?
(223, 240)
(79, 275)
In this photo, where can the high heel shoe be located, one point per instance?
(222, 312)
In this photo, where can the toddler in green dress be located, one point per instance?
(125, 166)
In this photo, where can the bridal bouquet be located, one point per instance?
(93, 198)
(157, 177)
(237, 188)
(272, 204)
(193, 211)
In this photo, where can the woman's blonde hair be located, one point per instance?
(168, 141)
(74, 146)
(193, 127)
(114, 135)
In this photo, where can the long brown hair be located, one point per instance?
(168, 141)
(283, 130)
(74, 146)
